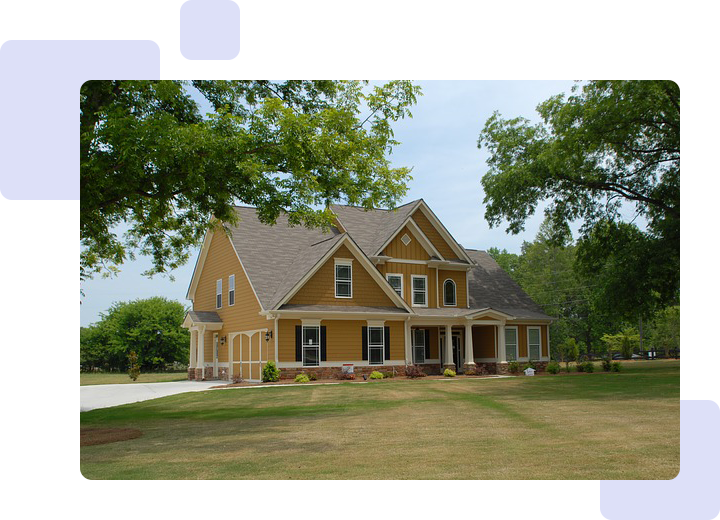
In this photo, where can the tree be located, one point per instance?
(569, 350)
(149, 159)
(151, 328)
(665, 329)
(624, 342)
(610, 145)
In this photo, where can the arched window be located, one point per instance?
(449, 292)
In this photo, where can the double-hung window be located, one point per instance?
(396, 282)
(311, 346)
(533, 342)
(343, 279)
(419, 290)
(418, 344)
(511, 343)
(218, 294)
(376, 345)
(231, 290)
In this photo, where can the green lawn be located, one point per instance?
(119, 378)
(587, 426)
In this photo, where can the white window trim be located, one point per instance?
(218, 292)
(415, 346)
(402, 282)
(319, 353)
(412, 289)
(517, 342)
(380, 346)
(348, 263)
(406, 236)
(231, 289)
(539, 329)
(445, 303)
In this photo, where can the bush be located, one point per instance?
(312, 376)
(580, 367)
(376, 375)
(388, 375)
(346, 376)
(476, 371)
(567, 368)
(270, 372)
(530, 364)
(607, 364)
(237, 379)
(449, 373)
(553, 367)
(302, 378)
(134, 370)
(514, 367)
(616, 366)
(414, 371)
(589, 366)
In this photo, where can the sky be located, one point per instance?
(439, 142)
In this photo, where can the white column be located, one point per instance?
(502, 355)
(193, 348)
(201, 351)
(469, 352)
(448, 346)
(408, 343)
(229, 341)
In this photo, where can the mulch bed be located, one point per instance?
(356, 380)
(94, 436)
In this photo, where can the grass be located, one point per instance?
(589, 426)
(121, 378)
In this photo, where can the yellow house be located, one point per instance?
(380, 291)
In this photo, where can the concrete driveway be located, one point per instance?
(104, 396)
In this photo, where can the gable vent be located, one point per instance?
(406, 239)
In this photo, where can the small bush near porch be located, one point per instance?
(604, 425)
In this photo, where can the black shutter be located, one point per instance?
(364, 344)
(387, 342)
(427, 343)
(323, 344)
(298, 342)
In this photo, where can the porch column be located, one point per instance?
(469, 351)
(449, 361)
(201, 353)
(229, 342)
(502, 355)
(193, 348)
(408, 343)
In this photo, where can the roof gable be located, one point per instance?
(438, 235)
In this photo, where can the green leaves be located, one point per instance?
(151, 160)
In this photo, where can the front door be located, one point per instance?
(457, 352)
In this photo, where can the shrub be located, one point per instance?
(302, 378)
(376, 375)
(346, 376)
(514, 367)
(134, 370)
(530, 364)
(589, 366)
(312, 376)
(449, 373)
(270, 372)
(567, 368)
(476, 371)
(388, 375)
(607, 364)
(616, 366)
(237, 379)
(580, 367)
(553, 367)
(414, 371)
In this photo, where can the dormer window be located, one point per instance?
(406, 239)
(449, 293)
(343, 278)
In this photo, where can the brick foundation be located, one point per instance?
(198, 374)
(223, 373)
(191, 374)
(359, 371)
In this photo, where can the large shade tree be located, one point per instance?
(609, 146)
(151, 161)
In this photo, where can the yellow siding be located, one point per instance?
(221, 262)
(344, 339)
(413, 251)
(320, 288)
(433, 235)
(461, 288)
(407, 270)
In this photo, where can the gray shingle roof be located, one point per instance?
(490, 286)
(371, 229)
(204, 317)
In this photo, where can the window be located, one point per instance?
(534, 342)
(376, 345)
(449, 291)
(406, 239)
(343, 279)
(419, 290)
(311, 346)
(418, 342)
(511, 343)
(218, 294)
(396, 282)
(231, 290)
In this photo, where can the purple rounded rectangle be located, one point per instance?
(209, 30)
